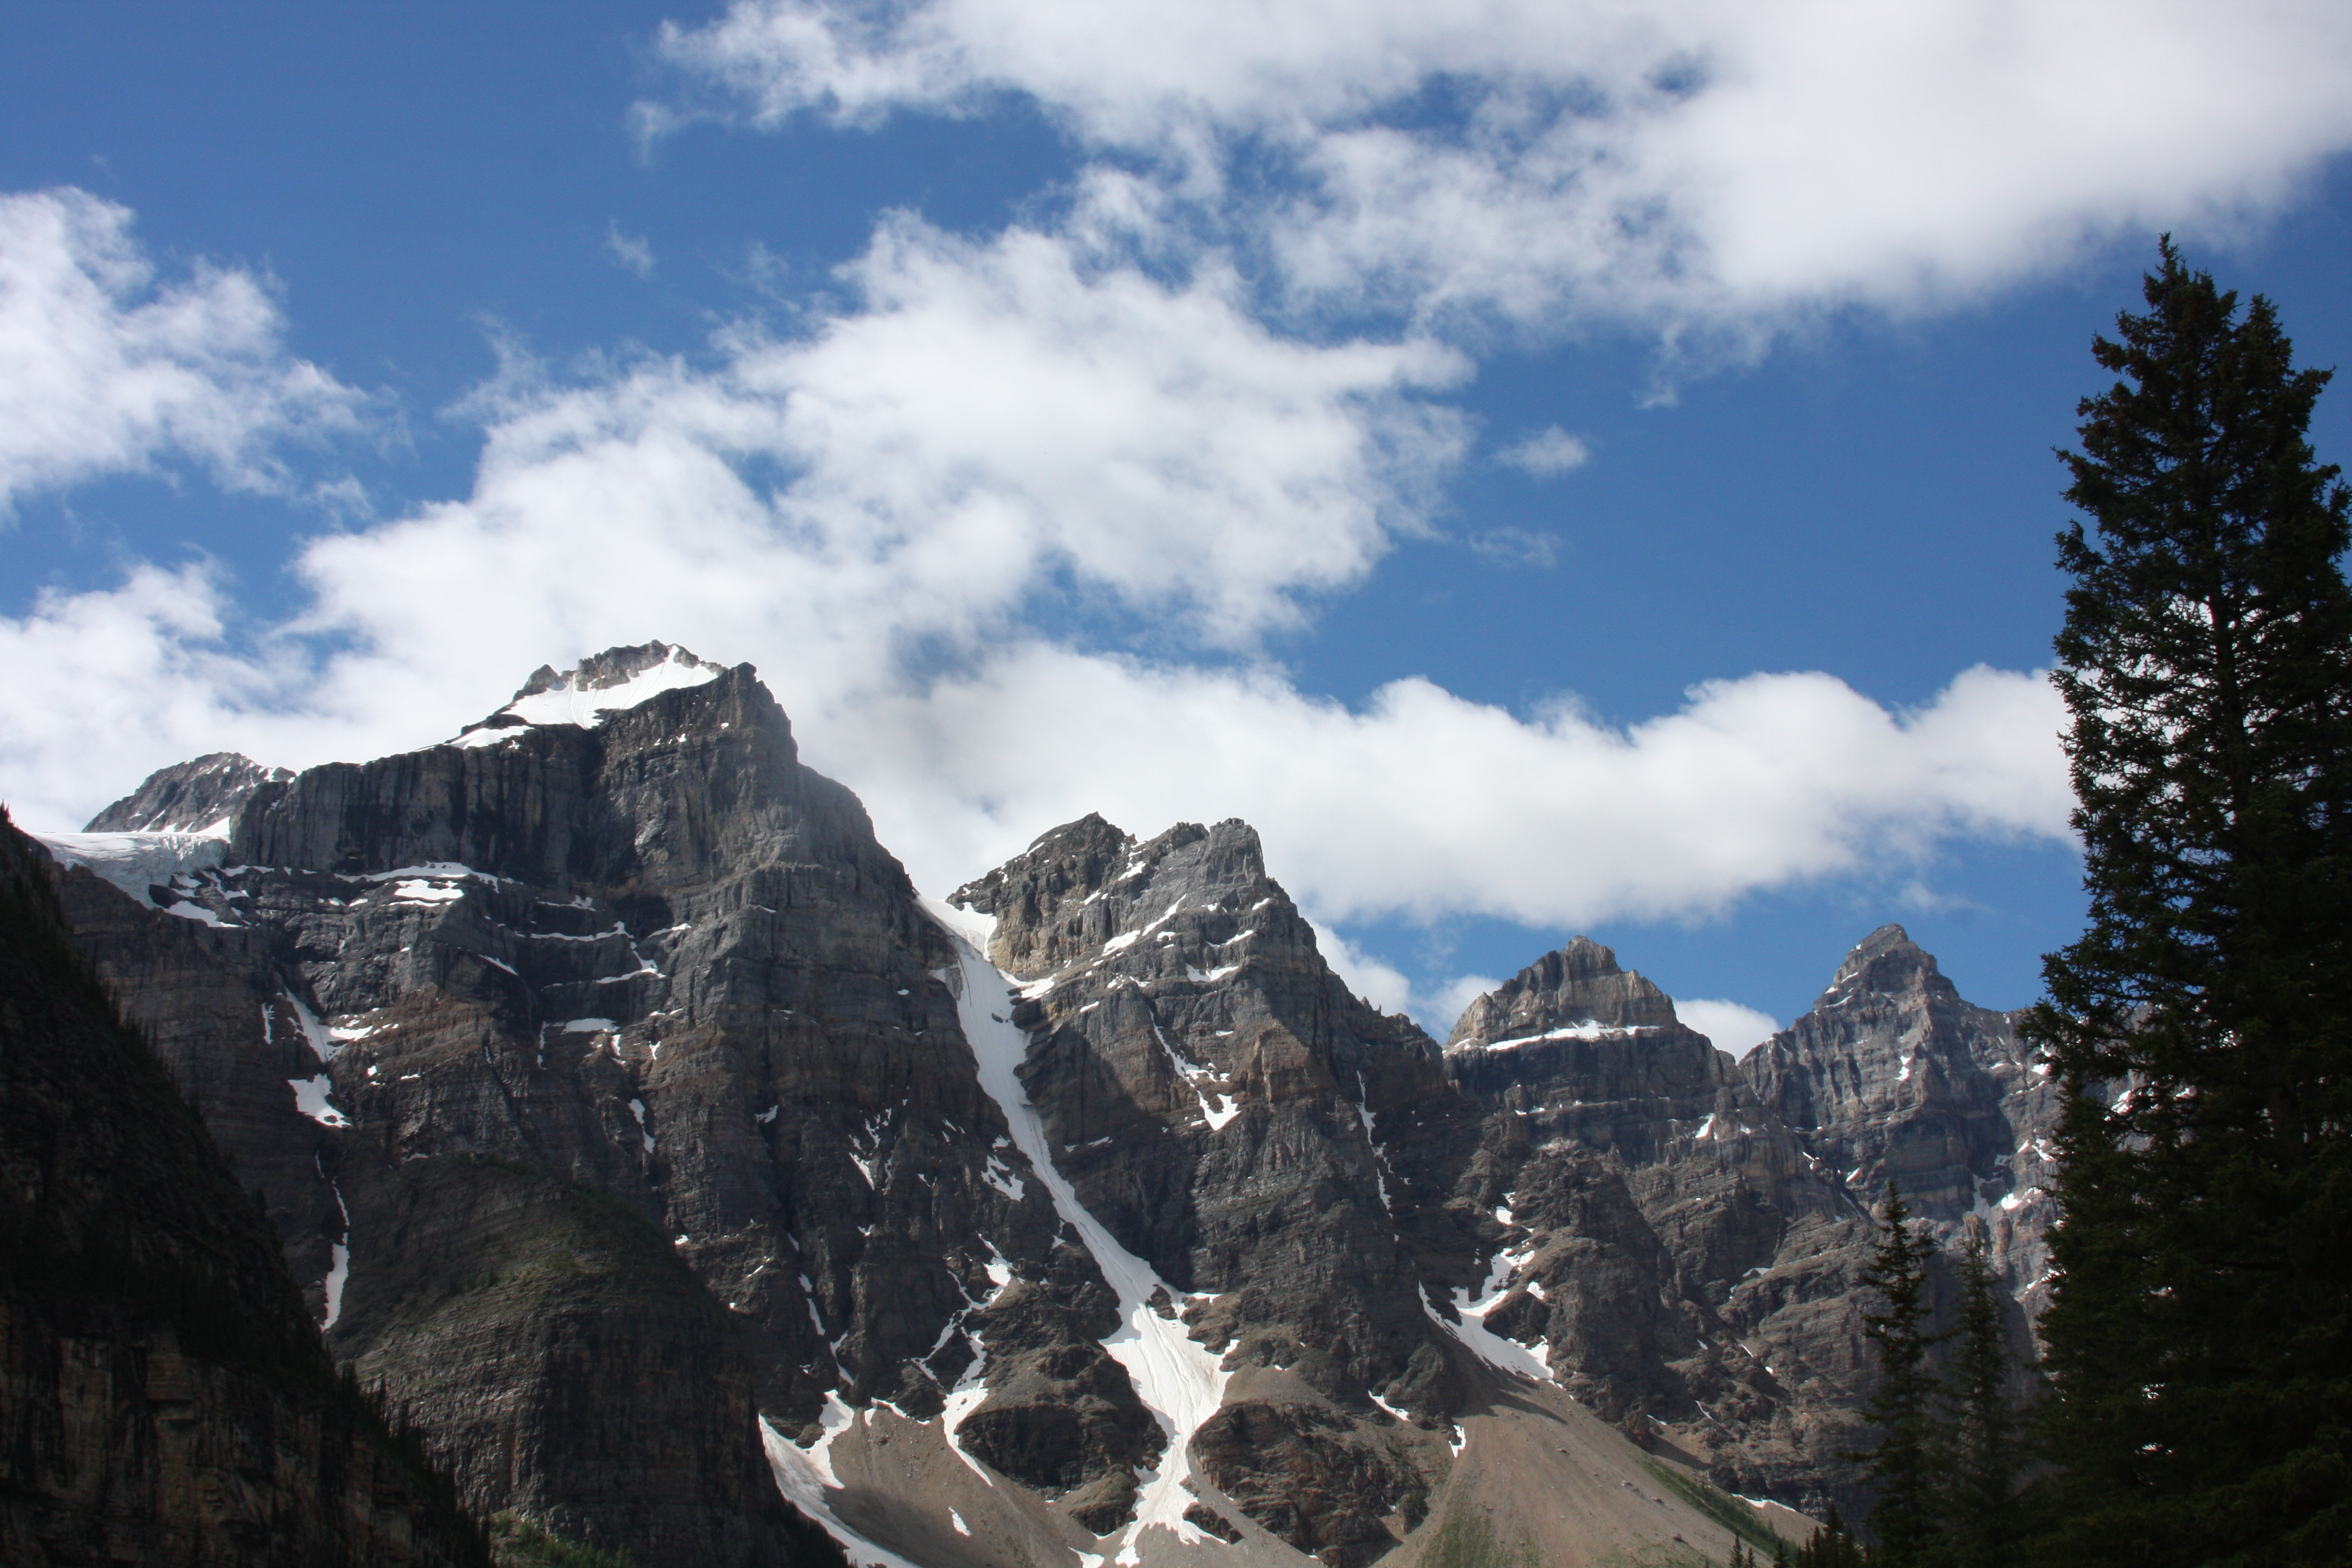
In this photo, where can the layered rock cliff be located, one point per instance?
(1277, 1152)
(1666, 1238)
(633, 1125)
(163, 1396)
(1893, 1078)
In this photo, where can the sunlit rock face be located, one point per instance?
(1894, 1078)
(635, 957)
(1656, 1211)
(202, 795)
(1277, 1150)
(630, 1120)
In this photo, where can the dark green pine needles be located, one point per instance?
(1982, 1451)
(1907, 1466)
(2199, 1339)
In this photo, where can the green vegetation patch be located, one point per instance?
(517, 1543)
(1467, 1541)
(1721, 1507)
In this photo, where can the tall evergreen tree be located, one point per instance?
(2200, 1336)
(1978, 1513)
(1907, 1464)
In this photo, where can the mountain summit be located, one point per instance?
(630, 1120)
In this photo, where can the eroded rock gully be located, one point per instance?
(620, 1110)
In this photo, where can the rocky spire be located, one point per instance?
(201, 796)
(1579, 983)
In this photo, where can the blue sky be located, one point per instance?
(1553, 468)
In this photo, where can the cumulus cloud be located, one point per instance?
(1691, 162)
(106, 369)
(987, 423)
(1384, 985)
(1449, 1001)
(1422, 804)
(1732, 1026)
(887, 512)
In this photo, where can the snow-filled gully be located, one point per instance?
(1179, 1381)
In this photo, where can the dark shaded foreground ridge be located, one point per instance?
(164, 1397)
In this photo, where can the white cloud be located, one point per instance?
(1424, 805)
(1451, 1000)
(909, 479)
(1517, 547)
(1546, 453)
(1384, 985)
(1688, 162)
(1732, 1026)
(1389, 988)
(632, 252)
(105, 370)
(883, 512)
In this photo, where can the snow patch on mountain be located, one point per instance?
(138, 862)
(1180, 1382)
(803, 1476)
(583, 696)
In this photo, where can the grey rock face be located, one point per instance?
(603, 1048)
(1263, 1139)
(205, 997)
(197, 796)
(1893, 1076)
(1649, 1206)
(653, 957)
(566, 1358)
(164, 1397)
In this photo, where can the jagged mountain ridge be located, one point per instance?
(200, 797)
(616, 942)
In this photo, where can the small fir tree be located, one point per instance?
(1907, 1464)
(1978, 1509)
(2200, 1334)
(1833, 1545)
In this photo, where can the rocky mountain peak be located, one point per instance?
(614, 681)
(613, 666)
(608, 1028)
(1895, 1077)
(1886, 963)
(1581, 984)
(201, 795)
(1077, 891)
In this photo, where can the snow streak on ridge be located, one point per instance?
(1180, 1382)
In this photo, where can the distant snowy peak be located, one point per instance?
(612, 682)
(201, 797)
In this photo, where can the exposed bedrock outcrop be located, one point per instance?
(645, 954)
(611, 1091)
(202, 795)
(1893, 1076)
(1270, 1143)
(1646, 1197)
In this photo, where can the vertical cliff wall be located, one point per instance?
(164, 1395)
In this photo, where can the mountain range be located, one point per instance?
(640, 1138)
